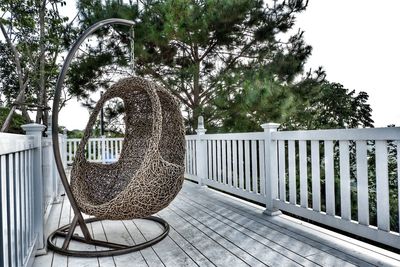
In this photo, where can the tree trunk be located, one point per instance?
(196, 110)
(40, 116)
(7, 121)
(22, 85)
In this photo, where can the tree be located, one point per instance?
(310, 103)
(328, 105)
(35, 33)
(16, 122)
(197, 48)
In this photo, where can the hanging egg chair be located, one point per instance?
(148, 174)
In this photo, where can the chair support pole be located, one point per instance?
(56, 103)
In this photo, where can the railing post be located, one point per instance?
(201, 152)
(36, 130)
(271, 170)
(52, 165)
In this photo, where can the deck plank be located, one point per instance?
(51, 224)
(148, 254)
(98, 233)
(271, 252)
(191, 250)
(74, 245)
(208, 228)
(206, 244)
(116, 232)
(317, 240)
(255, 228)
(168, 252)
(58, 259)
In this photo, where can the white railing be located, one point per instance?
(26, 192)
(235, 163)
(103, 150)
(333, 177)
(351, 167)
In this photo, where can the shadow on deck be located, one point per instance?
(209, 228)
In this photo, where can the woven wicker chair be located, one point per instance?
(149, 172)
(146, 177)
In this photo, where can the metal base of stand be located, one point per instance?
(114, 249)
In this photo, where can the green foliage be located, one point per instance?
(75, 134)
(16, 123)
(327, 105)
(194, 48)
(21, 20)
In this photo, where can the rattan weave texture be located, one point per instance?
(149, 172)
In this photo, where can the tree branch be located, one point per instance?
(15, 53)
(22, 85)
(158, 77)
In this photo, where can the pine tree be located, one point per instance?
(194, 48)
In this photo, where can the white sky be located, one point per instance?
(358, 44)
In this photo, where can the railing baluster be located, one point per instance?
(303, 173)
(241, 163)
(362, 182)
(281, 170)
(195, 157)
(224, 178)
(235, 164)
(73, 150)
(187, 163)
(219, 167)
(344, 162)
(292, 171)
(382, 186)
(4, 211)
(18, 208)
(26, 203)
(190, 157)
(229, 160)
(254, 166)
(89, 150)
(113, 150)
(261, 156)
(209, 150)
(95, 157)
(329, 178)
(214, 143)
(315, 174)
(247, 164)
(31, 199)
(23, 204)
(12, 210)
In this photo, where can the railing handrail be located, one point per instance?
(384, 133)
(96, 138)
(229, 136)
(11, 143)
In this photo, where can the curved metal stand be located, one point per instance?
(67, 231)
(114, 248)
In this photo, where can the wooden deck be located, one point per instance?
(209, 228)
